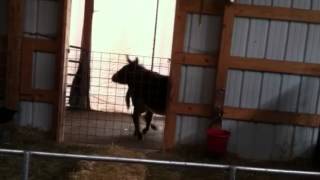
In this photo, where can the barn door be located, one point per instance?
(196, 44)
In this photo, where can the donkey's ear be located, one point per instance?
(128, 59)
(136, 61)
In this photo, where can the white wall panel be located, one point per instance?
(251, 90)
(270, 91)
(25, 114)
(316, 5)
(48, 18)
(296, 41)
(233, 89)
(36, 115)
(301, 4)
(263, 141)
(245, 1)
(245, 139)
(197, 85)
(193, 83)
(232, 127)
(309, 93)
(282, 142)
(313, 44)
(41, 17)
(302, 145)
(282, 3)
(202, 36)
(257, 38)
(289, 93)
(277, 40)
(262, 2)
(30, 17)
(42, 115)
(188, 33)
(239, 37)
(191, 130)
(44, 70)
(270, 39)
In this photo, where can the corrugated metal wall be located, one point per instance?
(40, 21)
(283, 41)
(257, 38)
(197, 82)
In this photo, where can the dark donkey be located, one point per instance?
(147, 89)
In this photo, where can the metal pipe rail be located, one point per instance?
(232, 168)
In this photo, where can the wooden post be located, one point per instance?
(79, 95)
(222, 65)
(170, 124)
(15, 13)
(63, 43)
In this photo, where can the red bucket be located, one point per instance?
(217, 141)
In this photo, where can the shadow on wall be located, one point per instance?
(273, 141)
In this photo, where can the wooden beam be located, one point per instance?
(81, 83)
(209, 7)
(222, 65)
(264, 65)
(29, 46)
(174, 79)
(276, 13)
(193, 109)
(63, 43)
(39, 96)
(273, 117)
(40, 45)
(196, 59)
(15, 14)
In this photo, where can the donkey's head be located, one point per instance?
(126, 73)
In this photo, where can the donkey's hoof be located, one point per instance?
(140, 137)
(144, 131)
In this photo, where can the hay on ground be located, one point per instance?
(88, 170)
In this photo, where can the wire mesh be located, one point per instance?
(108, 119)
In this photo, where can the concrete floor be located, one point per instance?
(94, 127)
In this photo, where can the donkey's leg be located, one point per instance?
(136, 122)
(148, 119)
(135, 117)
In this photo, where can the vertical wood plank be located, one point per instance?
(222, 65)
(14, 52)
(63, 31)
(174, 79)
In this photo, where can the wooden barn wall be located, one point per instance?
(3, 17)
(196, 83)
(40, 22)
(282, 41)
(3, 42)
(255, 38)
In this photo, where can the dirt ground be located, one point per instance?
(64, 169)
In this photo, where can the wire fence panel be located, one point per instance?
(108, 119)
(233, 170)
